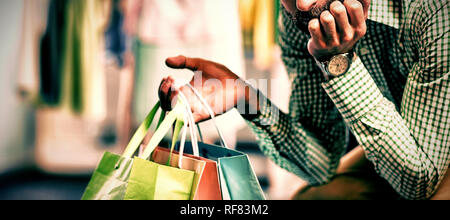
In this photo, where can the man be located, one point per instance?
(379, 69)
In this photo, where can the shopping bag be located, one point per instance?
(162, 178)
(208, 185)
(162, 155)
(109, 180)
(237, 177)
(152, 181)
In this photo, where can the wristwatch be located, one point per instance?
(337, 65)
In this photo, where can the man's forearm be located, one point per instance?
(382, 132)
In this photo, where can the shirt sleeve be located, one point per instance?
(409, 147)
(309, 140)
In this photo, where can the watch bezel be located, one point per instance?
(336, 57)
(323, 64)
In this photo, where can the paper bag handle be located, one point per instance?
(191, 122)
(210, 112)
(163, 129)
(140, 133)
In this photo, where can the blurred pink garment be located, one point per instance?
(33, 26)
(164, 22)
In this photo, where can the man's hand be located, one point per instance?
(220, 87)
(338, 30)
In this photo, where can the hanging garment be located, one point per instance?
(259, 22)
(115, 38)
(51, 54)
(33, 27)
(84, 79)
(68, 142)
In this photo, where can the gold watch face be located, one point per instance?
(338, 65)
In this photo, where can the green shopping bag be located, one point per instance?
(110, 179)
(161, 179)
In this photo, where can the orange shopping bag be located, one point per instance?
(208, 186)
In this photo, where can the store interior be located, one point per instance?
(78, 77)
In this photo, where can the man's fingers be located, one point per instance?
(178, 62)
(338, 29)
(329, 27)
(182, 62)
(165, 93)
(366, 6)
(339, 13)
(356, 13)
(316, 33)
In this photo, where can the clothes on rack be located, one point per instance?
(79, 124)
(71, 73)
(259, 28)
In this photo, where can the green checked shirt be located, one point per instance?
(395, 99)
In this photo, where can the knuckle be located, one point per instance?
(337, 8)
(348, 37)
(314, 24)
(360, 32)
(327, 18)
(355, 5)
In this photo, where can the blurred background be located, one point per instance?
(78, 76)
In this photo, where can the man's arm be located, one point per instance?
(312, 137)
(308, 141)
(410, 148)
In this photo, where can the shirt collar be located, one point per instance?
(387, 12)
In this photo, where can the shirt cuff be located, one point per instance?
(268, 115)
(354, 93)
